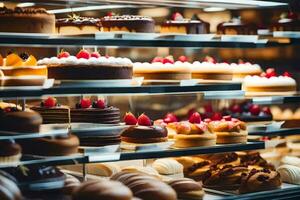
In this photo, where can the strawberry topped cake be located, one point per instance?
(169, 121)
(141, 130)
(179, 24)
(87, 66)
(269, 81)
(163, 69)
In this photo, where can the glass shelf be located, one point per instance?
(281, 132)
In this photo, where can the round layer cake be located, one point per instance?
(236, 27)
(102, 68)
(128, 23)
(162, 71)
(26, 20)
(78, 25)
(211, 71)
(241, 70)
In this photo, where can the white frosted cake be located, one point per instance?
(211, 71)
(241, 70)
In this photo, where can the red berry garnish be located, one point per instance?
(216, 116)
(130, 119)
(254, 109)
(95, 54)
(208, 108)
(209, 59)
(158, 59)
(191, 111)
(170, 117)
(266, 110)
(85, 103)
(83, 54)
(166, 60)
(183, 59)
(236, 108)
(7, 109)
(50, 102)
(195, 118)
(227, 118)
(110, 14)
(101, 104)
(292, 15)
(63, 54)
(177, 16)
(144, 120)
(270, 72)
(287, 74)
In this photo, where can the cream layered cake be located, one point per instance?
(270, 82)
(179, 24)
(87, 66)
(211, 70)
(78, 25)
(241, 70)
(26, 20)
(163, 69)
(128, 23)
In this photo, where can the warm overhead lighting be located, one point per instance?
(213, 9)
(27, 4)
(88, 8)
(1, 4)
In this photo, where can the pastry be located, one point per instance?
(256, 160)
(96, 112)
(193, 133)
(229, 130)
(291, 160)
(289, 174)
(220, 160)
(128, 23)
(10, 152)
(178, 24)
(168, 166)
(163, 69)
(103, 169)
(52, 112)
(144, 132)
(8, 187)
(145, 186)
(87, 66)
(102, 189)
(194, 167)
(170, 122)
(241, 70)
(287, 22)
(236, 27)
(144, 170)
(54, 146)
(210, 70)
(71, 183)
(270, 82)
(75, 24)
(27, 121)
(26, 20)
(187, 188)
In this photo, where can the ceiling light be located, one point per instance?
(213, 9)
(27, 4)
(88, 8)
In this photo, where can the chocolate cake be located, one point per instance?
(236, 27)
(26, 20)
(78, 25)
(128, 23)
(178, 24)
(287, 22)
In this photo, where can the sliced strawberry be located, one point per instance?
(63, 54)
(158, 59)
(287, 74)
(170, 117)
(216, 116)
(85, 103)
(195, 118)
(50, 102)
(183, 59)
(130, 119)
(95, 54)
(144, 120)
(83, 54)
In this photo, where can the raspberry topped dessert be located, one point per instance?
(26, 20)
(87, 66)
(141, 130)
(179, 24)
(193, 133)
(163, 69)
(228, 130)
(75, 24)
(95, 112)
(52, 112)
(236, 27)
(270, 82)
(128, 23)
(287, 22)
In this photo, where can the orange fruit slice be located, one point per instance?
(1, 60)
(13, 60)
(31, 61)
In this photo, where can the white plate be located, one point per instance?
(289, 34)
(47, 84)
(239, 38)
(101, 83)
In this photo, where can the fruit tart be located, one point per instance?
(229, 130)
(193, 133)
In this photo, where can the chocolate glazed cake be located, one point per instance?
(128, 23)
(78, 25)
(25, 20)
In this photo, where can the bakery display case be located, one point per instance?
(149, 99)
